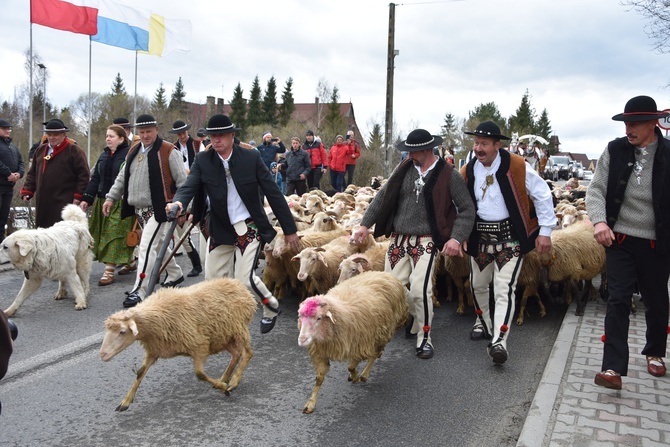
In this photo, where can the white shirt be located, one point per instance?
(184, 153)
(237, 211)
(491, 204)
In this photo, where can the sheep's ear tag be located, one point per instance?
(133, 327)
(330, 315)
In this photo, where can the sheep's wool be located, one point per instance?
(309, 306)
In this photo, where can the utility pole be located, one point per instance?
(388, 130)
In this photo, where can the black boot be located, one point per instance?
(195, 260)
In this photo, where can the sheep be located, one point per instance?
(353, 322)
(373, 258)
(458, 269)
(530, 283)
(197, 321)
(318, 267)
(314, 204)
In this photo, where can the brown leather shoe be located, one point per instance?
(107, 278)
(128, 269)
(608, 379)
(655, 366)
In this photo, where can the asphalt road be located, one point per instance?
(59, 393)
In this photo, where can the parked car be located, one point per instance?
(588, 175)
(576, 170)
(557, 168)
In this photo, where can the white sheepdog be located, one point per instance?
(60, 252)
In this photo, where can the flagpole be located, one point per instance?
(30, 59)
(90, 114)
(135, 96)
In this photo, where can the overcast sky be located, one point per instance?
(580, 59)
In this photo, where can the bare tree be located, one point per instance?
(657, 13)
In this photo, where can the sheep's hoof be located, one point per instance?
(80, 306)
(543, 314)
(122, 407)
(307, 410)
(60, 296)
(363, 379)
(519, 321)
(460, 311)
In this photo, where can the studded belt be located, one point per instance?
(494, 232)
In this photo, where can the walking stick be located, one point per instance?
(155, 271)
(176, 247)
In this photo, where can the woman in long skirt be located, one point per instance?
(110, 232)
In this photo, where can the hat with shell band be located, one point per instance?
(220, 124)
(419, 140)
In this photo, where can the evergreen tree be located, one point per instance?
(543, 126)
(376, 140)
(450, 131)
(334, 120)
(238, 109)
(118, 89)
(481, 113)
(269, 105)
(177, 100)
(523, 121)
(255, 111)
(159, 103)
(287, 106)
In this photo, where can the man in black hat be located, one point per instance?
(123, 122)
(153, 171)
(515, 213)
(424, 208)
(628, 200)
(230, 177)
(188, 148)
(318, 157)
(58, 175)
(11, 170)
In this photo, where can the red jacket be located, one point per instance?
(317, 154)
(353, 152)
(336, 157)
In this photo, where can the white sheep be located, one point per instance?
(352, 323)
(373, 259)
(197, 321)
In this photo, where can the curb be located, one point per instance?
(539, 422)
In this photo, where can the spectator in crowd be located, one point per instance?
(296, 166)
(11, 170)
(123, 122)
(109, 233)
(279, 179)
(318, 157)
(337, 163)
(151, 175)
(58, 175)
(628, 200)
(188, 148)
(515, 213)
(425, 209)
(352, 156)
(270, 148)
(238, 225)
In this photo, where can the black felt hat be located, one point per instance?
(5, 123)
(146, 120)
(419, 140)
(220, 124)
(179, 126)
(640, 108)
(121, 121)
(55, 125)
(488, 129)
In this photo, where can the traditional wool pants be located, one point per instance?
(411, 259)
(238, 261)
(629, 260)
(153, 235)
(500, 264)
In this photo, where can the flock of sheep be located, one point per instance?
(351, 309)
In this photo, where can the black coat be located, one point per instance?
(208, 177)
(10, 162)
(104, 172)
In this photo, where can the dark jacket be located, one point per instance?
(208, 179)
(622, 159)
(440, 208)
(104, 172)
(296, 163)
(269, 152)
(10, 162)
(192, 148)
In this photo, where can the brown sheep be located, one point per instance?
(197, 321)
(352, 323)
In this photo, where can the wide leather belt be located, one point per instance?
(494, 232)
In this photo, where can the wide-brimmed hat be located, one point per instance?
(179, 126)
(121, 121)
(220, 124)
(419, 140)
(5, 123)
(201, 132)
(146, 120)
(55, 125)
(488, 129)
(640, 108)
